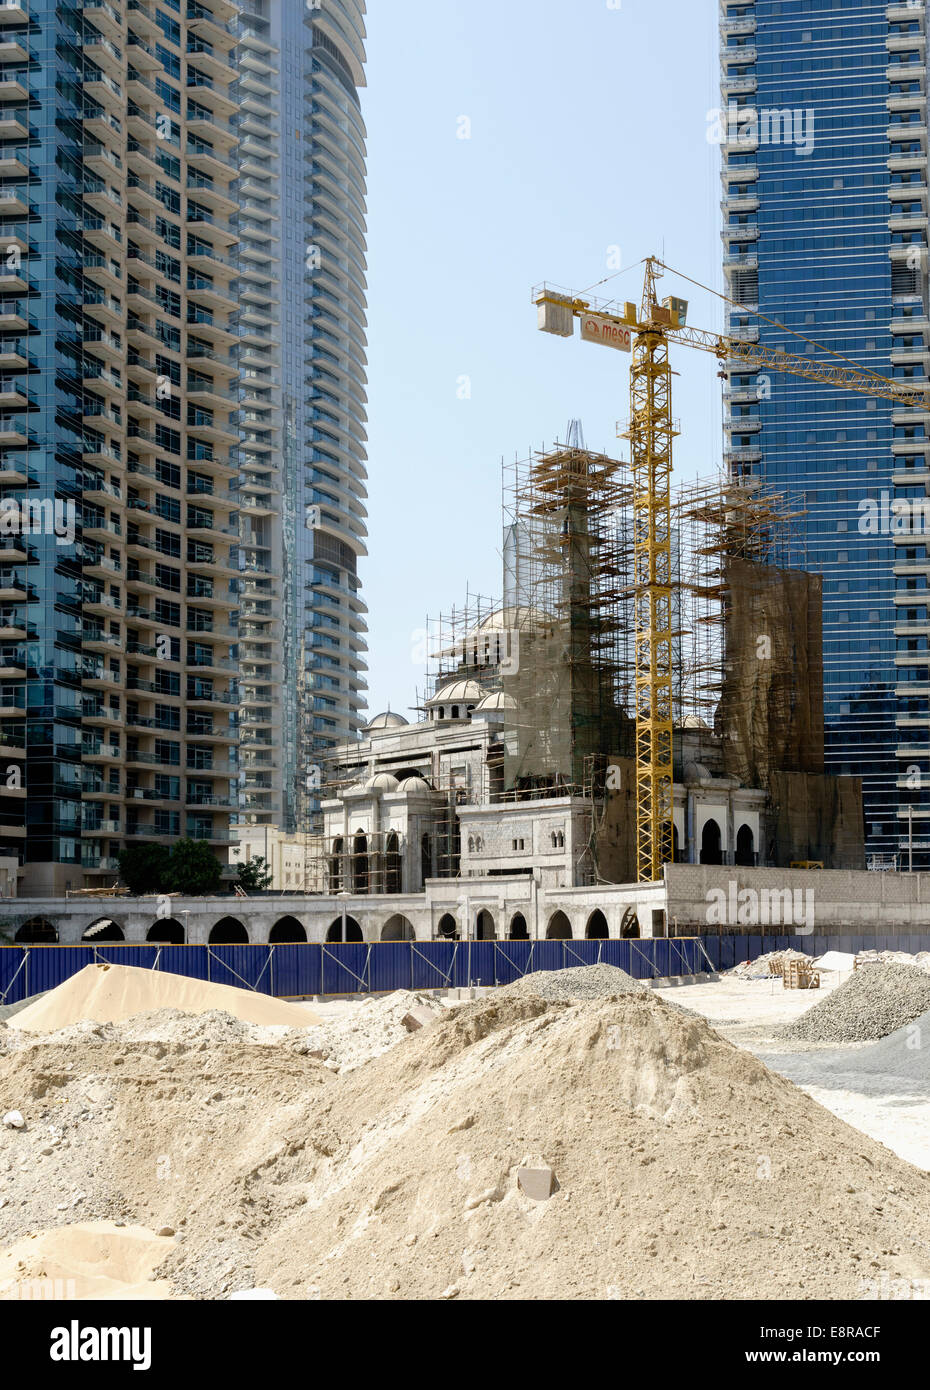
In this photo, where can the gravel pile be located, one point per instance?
(10, 1010)
(921, 960)
(577, 982)
(875, 1001)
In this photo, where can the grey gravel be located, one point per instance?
(8, 1010)
(875, 1001)
(577, 982)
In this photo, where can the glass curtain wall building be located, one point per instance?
(118, 693)
(303, 357)
(825, 230)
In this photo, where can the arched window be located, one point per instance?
(518, 928)
(287, 930)
(596, 929)
(166, 932)
(485, 929)
(455, 711)
(353, 930)
(38, 931)
(559, 928)
(397, 928)
(393, 869)
(448, 929)
(471, 844)
(745, 846)
(710, 843)
(229, 931)
(360, 869)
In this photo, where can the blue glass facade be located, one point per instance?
(825, 219)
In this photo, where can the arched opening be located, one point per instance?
(629, 927)
(710, 843)
(426, 858)
(167, 931)
(287, 930)
(448, 929)
(103, 930)
(397, 928)
(335, 866)
(360, 867)
(597, 929)
(353, 930)
(519, 931)
(676, 858)
(485, 929)
(229, 931)
(559, 928)
(745, 847)
(38, 931)
(392, 864)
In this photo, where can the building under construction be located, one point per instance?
(522, 760)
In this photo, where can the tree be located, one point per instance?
(194, 868)
(255, 874)
(146, 868)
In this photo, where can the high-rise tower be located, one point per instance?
(825, 230)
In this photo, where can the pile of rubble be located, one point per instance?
(873, 1002)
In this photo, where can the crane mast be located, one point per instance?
(646, 332)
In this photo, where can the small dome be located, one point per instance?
(516, 616)
(694, 721)
(496, 703)
(415, 785)
(382, 782)
(387, 720)
(696, 772)
(461, 692)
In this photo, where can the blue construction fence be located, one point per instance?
(293, 971)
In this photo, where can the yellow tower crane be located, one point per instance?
(646, 333)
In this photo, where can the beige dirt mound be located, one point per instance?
(110, 993)
(89, 1260)
(683, 1167)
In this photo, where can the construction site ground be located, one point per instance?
(573, 1135)
(891, 1108)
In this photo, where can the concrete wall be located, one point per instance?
(702, 898)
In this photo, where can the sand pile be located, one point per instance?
(683, 1167)
(875, 1001)
(108, 993)
(88, 1260)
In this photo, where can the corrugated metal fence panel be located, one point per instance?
(13, 976)
(390, 967)
(432, 964)
(295, 970)
(244, 967)
(345, 967)
(512, 957)
(50, 965)
(183, 960)
(142, 957)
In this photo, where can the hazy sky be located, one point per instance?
(587, 131)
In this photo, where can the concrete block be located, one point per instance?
(537, 1183)
(417, 1018)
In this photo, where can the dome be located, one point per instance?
(515, 616)
(694, 721)
(696, 772)
(387, 720)
(415, 784)
(461, 692)
(382, 782)
(495, 703)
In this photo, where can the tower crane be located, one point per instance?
(646, 332)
